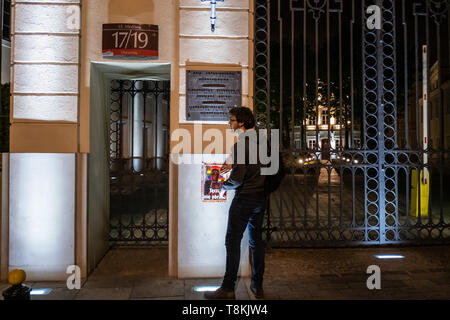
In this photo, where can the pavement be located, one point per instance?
(291, 274)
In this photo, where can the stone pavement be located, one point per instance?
(291, 274)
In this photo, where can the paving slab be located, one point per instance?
(109, 282)
(156, 288)
(242, 290)
(161, 298)
(104, 294)
(49, 284)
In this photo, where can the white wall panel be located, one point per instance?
(45, 79)
(202, 226)
(48, 108)
(42, 221)
(46, 48)
(42, 18)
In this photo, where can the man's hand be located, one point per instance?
(225, 168)
(227, 165)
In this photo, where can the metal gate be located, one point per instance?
(364, 115)
(139, 162)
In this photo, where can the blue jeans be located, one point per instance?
(244, 211)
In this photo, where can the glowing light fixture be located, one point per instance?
(206, 288)
(213, 13)
(40, 292)
(389, 256)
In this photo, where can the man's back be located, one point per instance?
(246, 176)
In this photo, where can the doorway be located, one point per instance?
(139, 162)
(325, 147)
(127, 178)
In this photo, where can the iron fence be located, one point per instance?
(364, 119)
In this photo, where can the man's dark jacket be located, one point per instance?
(246, 177)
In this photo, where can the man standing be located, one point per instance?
(247, 208)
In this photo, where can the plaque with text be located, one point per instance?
(124, 40)
(211, 94)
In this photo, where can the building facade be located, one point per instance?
(59, 176)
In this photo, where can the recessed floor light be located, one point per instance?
(389, 256)
(206, 288)
(40, 292)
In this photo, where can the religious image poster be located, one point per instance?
(212, 180)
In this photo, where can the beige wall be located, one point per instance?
(94, 14)
(230, 47)
(185, 41)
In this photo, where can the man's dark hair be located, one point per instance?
(244, 115)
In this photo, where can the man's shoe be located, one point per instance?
(258, 292)
(220, 294)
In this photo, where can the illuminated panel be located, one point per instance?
(42, 214)
(202, 226)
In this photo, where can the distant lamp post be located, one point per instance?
(213, 13)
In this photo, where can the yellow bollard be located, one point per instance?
(17, 291)
(16, 277)
(424, 195)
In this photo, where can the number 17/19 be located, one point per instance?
(121, 39)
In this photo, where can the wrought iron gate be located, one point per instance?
(368, 162)
(139, 162)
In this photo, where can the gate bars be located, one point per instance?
(348, 100)
(139, 155)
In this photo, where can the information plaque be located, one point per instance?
(211, 94)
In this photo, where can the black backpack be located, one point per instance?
(273, 182)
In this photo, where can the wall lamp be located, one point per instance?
(213, 13)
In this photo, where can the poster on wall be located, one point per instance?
(212, 181)
(130, 41)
